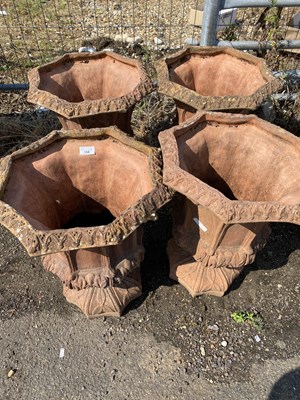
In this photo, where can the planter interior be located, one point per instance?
(57, 184)
(219, 74)
(90, 206)
(89, 79)
(214, 78)
(235, 173)
(90, 90)
(241, 159)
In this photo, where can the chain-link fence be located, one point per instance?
(35, 31)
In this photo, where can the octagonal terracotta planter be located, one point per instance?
(90, 90)
(214, 78)
(78, 198)
(234, 175)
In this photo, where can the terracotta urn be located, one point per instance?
(78, 199)
(90, 90)
(234, 174)
(214, 78)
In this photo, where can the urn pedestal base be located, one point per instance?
(107, 302)
(100, 281)
(197, 278)
(120, 119)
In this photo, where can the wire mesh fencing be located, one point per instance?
(34, 32)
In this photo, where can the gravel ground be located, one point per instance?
(167, 345)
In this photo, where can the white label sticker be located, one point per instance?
(87, 151)
(201, 226)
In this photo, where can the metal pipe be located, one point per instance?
(210, 22)
(13, 87)
(293, 74)
(264, 45)
(284, 96)
(260, 3)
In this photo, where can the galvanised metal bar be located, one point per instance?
(23, 86)
(289, 73)
(264, 45)
(210, 22)
(292, 74)
(13, 86)
(284, 96)
(211, 16)
(259, 3)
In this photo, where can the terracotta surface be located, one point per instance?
(214, 78)
(83, 212)
(90, 90)
(106, 290)
(111, 301)
(235, 174)
(195, 276)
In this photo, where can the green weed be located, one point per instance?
(248, 317)
(230, 33)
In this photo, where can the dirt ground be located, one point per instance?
(167, 345)
(154, 350)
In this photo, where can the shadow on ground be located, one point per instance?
(287, 387)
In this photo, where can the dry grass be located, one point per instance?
(35, 31)
(287, 115)
(20, 124)
(151, 115)
(19, 130)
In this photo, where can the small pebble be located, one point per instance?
(202, 351)
(136, 39)
(86, 49)
(280, 344)
(257, 338)
(224, 343)
(157, 41)
(213, 327)
(192, 42)
(11, 373)
(121, 37)
(107, 49)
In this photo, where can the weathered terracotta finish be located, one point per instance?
(83, 213)
(90, 90)
(197, 278)
(214, 78)
(235, 174)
